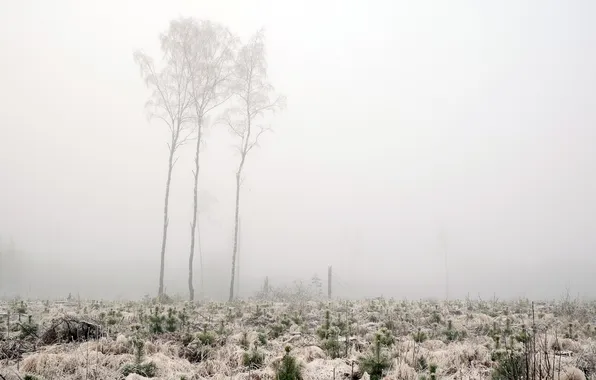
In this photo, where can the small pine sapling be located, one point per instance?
(433, 371)
(171, 321)
(323, 331)
(375, 363)
(510, 365)
(523, 337)
(156, 322)
(387, 339)
(289, 368)
(138, 367)
(421, 363)
(206, 338)
(287, 322)
(419, 336)
(253, 359)
(276, 330)
(435, 317)
(331, 343)
(452, 334)
(183, 316)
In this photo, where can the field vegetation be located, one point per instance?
(293, 334)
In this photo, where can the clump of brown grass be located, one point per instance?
(573, 373)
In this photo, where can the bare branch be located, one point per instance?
(175, 160)
(256, 139)
(187, 138)
(253, 92)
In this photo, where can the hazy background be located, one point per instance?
(406, 120)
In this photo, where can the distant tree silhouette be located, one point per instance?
(253, 99)
(171, 103)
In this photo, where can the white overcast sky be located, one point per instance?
(406, 120)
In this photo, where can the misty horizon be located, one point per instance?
(454, 137)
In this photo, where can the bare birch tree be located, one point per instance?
(207, 49)
(254, 98)
(170, 102)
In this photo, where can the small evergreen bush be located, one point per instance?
(253, 358)
(289, 368)
(375, 363)
(144, 369)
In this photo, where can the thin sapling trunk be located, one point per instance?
(194, 224)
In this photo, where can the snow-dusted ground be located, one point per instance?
(462, 338)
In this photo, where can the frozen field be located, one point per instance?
(467, 339)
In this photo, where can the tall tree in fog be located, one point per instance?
(254, 98)
(207, 49)
(171, 103)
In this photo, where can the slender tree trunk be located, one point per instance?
(238, 257)
(202, 288)
(160, 293)
(244, 151)
(193, 227)
(235, 231)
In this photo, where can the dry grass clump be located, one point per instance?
(401, 371)
(566, 344)
(71, 365)
(310, 353)
(323, 369)
(572, 373)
